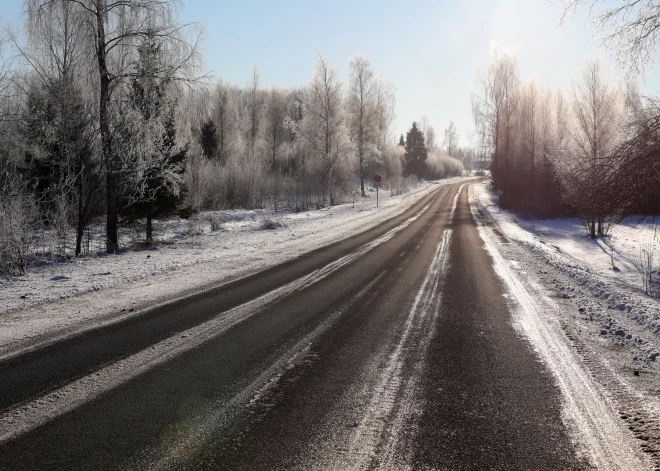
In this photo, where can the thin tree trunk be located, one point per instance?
(150, 228)
(592, 229)
(80, 229)
(112, 210)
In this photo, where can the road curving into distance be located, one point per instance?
(393, 349)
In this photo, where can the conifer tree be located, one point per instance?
(156, 171)
(415, 152)
(209, 139)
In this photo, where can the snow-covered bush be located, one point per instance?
(18, 220)
(443, 166)
(644, 263)
(271, 223)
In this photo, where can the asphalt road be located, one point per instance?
(399, 355)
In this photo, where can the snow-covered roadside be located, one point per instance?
(612, 258)
(598, 334)
(93, 291)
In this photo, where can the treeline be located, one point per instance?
(424, 159)
(296, 148)
(105, 112)
(592, 151)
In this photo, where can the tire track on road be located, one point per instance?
(22, 418)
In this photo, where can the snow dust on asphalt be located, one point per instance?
(392, 396)
(25, 417)
(382, 390)
(589, 405)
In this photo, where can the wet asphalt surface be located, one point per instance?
(348, 373)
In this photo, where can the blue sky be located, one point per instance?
(430, 50)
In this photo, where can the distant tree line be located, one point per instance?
(297, 148)
(424, 159)
(592, 152)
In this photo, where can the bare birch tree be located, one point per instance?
(450, 142)
(494, 110)
(385, 102)
(594, 136)
(254, 107)
(323, 122)
(224, 115)
(362, 109)
(530, 129)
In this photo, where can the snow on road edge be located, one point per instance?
(596, 429)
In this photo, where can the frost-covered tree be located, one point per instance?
(494, 112)
(384, 113)
(275, 132)
(224, 115)
(58, 126)
(153, 160)
(594, 135)
(323, 123)
(450, 142)
(362, 110)
(630, 28)
(113, 31)
(636, 182)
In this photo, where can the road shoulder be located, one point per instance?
(611, 411)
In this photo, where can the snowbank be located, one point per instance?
(612, 257)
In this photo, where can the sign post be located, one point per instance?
(500, 191)
(377, 180)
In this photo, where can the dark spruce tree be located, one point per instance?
(157, 196)
(415, 152)
(60, 156)
(402, 142)
(208, 139)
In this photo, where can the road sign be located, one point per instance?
(377, 178)
(499, 185)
